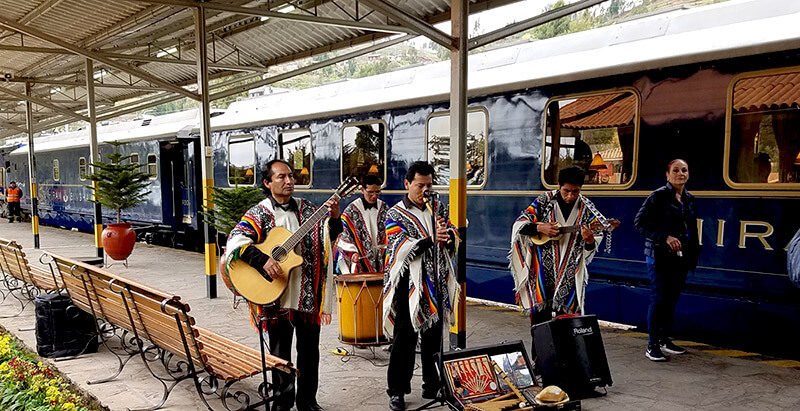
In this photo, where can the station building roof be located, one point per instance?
(141, 47)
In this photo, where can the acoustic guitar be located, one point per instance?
(254, 284)
(595, 226)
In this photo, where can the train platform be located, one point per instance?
(706, 378)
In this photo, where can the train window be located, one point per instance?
(363, 150)
(294, 146)
(763, 131)
(438, 142)
(596, 132)
(241, 160)
(152, 166)
(56, 171)
(134, 158)
(82, 168)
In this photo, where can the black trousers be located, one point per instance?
(666, 284)
(280, 344)
(14, 210)
(401, 360)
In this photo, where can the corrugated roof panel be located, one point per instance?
(607, 110)
(760, 93)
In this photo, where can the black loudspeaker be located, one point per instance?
(62, 329)
(570, 354)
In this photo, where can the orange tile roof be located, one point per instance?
(760, 93)
(613, 110)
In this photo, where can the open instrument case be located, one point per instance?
(494, 378)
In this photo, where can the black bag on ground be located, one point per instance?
(62, 329)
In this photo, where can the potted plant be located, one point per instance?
(120, 186)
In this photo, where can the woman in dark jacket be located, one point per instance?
(668, 219)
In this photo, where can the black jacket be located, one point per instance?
(662, 215)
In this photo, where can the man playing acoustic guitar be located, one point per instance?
(551, 278)
(309, 295)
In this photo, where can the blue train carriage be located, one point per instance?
(714, 85)
(163, 145)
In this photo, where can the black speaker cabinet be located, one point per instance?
(570, 354)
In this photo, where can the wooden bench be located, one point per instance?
(20, 277)
(184, 349)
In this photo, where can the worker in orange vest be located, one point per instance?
(13, 195)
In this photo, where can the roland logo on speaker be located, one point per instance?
(581, 331)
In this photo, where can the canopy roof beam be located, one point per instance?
(82, 84)
(4, 22)
(131, 57)
(43, 103)
(530, 23)
(252, 11)
(416, 24)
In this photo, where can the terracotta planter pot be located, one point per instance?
(118, 240)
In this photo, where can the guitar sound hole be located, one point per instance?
(279, 254)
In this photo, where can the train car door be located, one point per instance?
(191, 190)
(172, 166)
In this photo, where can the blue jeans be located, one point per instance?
(665, 289)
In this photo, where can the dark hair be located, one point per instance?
(267, 173)
(13, 182)
(571, 175)
(422, 168)
(371, 179)
(669, 165)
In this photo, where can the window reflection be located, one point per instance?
(241, 160)
(765, 130)
(363, 150)
(595, 133)
(295, 147)
(439, 147)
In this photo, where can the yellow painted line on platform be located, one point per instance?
(690, 344)
(731, 353)
(783, 363)
(633, 334)
(492, 308)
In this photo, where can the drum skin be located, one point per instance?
(360, 308)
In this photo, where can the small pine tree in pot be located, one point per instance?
(120, 185)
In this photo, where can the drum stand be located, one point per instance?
(441, 397)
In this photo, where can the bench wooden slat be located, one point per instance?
(220, 356)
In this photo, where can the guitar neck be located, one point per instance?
(312, 221)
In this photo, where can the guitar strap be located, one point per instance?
(602, 219)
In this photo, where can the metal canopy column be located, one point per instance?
(94, 155)
(32, 168)
(206, 148)
(459, 15)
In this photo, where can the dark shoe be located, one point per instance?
(654, 353)
(669, 347)
(308, 407)
(397, 403)
(429, 394)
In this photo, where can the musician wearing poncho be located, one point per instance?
(409, 305)
(551, 278)
(308, 300)
(363, 241)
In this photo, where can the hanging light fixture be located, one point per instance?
(304, 171)
(373, 169)
(597, 162)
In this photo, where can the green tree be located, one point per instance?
(120, 184)
(230, 205)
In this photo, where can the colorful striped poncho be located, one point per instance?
(553, 274)
(310, 289)
(356, 239)
(405, 229)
